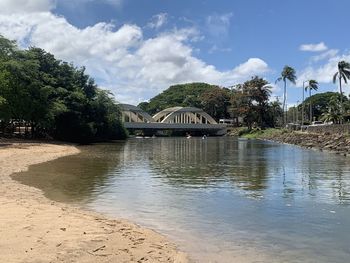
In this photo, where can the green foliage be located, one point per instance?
(215, 102)
(312, 85)
(54, 98)
(333, 113)
(320, 103)
(343, 73)
(185, 95)
(274, 114)
(243, 131)
(251, 101)
(288, 73)
(258, 133)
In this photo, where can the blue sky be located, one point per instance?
(138, 48)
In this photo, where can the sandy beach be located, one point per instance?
(35, 229)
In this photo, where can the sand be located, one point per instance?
(35, 229)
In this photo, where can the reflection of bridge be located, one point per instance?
(182, 119)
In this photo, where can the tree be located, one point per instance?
(333, 113)
(215, 102)
(259, 91)
(53, 98)
(185, 95)
(288, 73)
(312, 85)
(343, 73)
(321, 101)
(250, 101)
(275, 113)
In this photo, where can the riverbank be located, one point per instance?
(35, 229)
(336, 143)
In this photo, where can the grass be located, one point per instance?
(258, 133)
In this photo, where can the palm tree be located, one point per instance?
(288, 73)
(333, 113)
(343, 73)
(312, 85)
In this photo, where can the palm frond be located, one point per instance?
(347, 74)
(344, 78)
(335, 77)
(313, 84)
(289, 74)
(278, 79)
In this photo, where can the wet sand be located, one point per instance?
(35, 229)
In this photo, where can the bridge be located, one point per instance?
(178, 119)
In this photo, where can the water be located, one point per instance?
(220, 199)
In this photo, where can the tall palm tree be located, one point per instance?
(288, 73)
(343, 73)
(311, 85)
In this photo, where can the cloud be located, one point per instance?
(245, 69)
(218, 25)
(324, 73)
(158, 21)
(25, 6)
(120, 59)
(325, 55)
(76, 3)
(313, 47)
(274, 88)
(116, 3)
(215, 48)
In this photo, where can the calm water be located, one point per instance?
(220, 199)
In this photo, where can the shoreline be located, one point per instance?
(334, 143)
(36, 229)
(338, 144)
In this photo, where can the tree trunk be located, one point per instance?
(284, 103)
(302, 107)
(32, 129)
(310, 105)
(341, 100)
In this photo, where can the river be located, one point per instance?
(220, 199)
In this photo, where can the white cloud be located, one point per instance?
(314, 47)
(120, 59)
(274, 88)
(116, 3)
(325, 55)
(76, 3)
(25, 6)
(216, 48)
(245, 69)
(324, 73)
(158, 21)
(218, 25)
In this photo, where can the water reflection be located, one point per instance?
(285, 199)
(250, 166)
(254, 168)
(78, 178)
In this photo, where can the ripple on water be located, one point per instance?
(220, 198)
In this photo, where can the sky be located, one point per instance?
(138, 48)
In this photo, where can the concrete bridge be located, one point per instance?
(180, 119)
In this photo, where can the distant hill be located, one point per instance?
(185, 95)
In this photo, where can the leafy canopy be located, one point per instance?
(185, 95)
(53, 98)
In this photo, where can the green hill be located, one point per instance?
(185, 95)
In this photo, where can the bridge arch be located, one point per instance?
(131, 113)
(186, 115)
